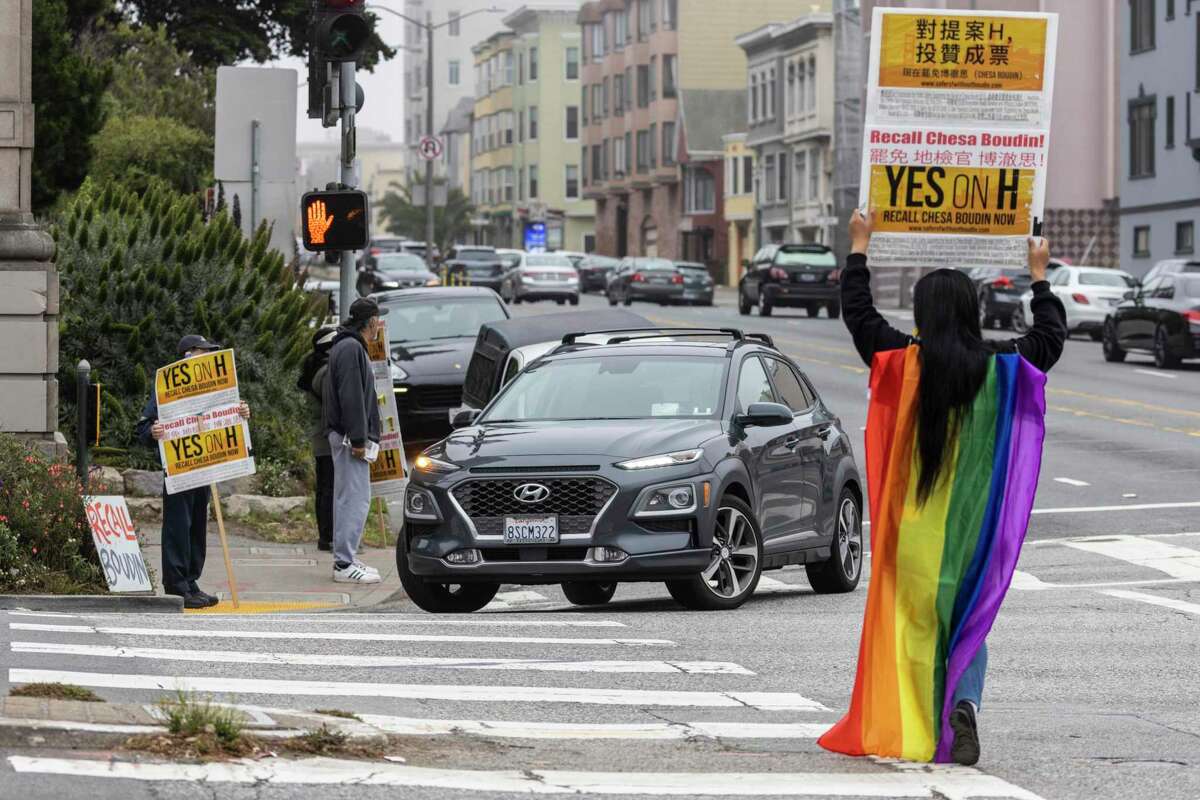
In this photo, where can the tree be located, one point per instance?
(451, 224)
(136, 150)
(221, 32)
(152, 77)
(68, 90)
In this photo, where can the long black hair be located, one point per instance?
(954, 364)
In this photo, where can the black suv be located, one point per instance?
(792, 276)
(698, 457)
(475, 266)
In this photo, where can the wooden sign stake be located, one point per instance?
(216, 498)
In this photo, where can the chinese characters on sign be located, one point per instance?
(956, 135)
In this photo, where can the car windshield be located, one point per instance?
(600, 262)
(476, 255)
(613, 387)
(1111, 279)
(547, 261)
(804, 258)
(654, 264)
(400, 262)
(693, 269)
(428, 318)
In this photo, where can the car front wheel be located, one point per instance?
(1163, 357)
(735, 565)
(442, 598)
(589, 594)
(844, 567)
(743, 304)
(1112, 351)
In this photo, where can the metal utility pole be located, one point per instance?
(429, 207)
(346, 95)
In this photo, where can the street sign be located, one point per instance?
(335, 220)
(430, 148)
(535, 237)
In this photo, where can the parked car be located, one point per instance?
(395, 271)
(1087, 293)
(510, 258)
(474, 265)
(1162, 318)
(698, 285)
(695, 462)
(1000, 290)
(575, 258)
(505, 347)
(541, 276)
(1171, 266)
(432, 335)
(418, 249)
(594, 272)
(792, 276)
(653, 280)
(377, 247)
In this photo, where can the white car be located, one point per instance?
(541, 276)
(1088, 294)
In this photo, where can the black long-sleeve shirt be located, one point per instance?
(1041, 346)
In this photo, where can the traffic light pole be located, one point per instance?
(346, 99)
(429, 132)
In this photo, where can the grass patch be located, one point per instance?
(56, 691)
(337, 712)
(187, 716)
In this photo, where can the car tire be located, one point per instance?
(612, 301)
(574, 301)
(813, 309)
(582, 593)
(834, 310)
(843, 570)
(516, 300)
(697, 593)
(1163, 357)
(628, 300)
(1096, 335)
(441, 598)
(764, 308)
(1112, 351)
(743, 304)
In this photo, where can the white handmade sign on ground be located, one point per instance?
(117, 544)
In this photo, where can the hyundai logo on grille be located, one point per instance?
(531, 493)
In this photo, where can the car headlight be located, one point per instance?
(397, 373)
(419, 504)
(664, 500)
(665, 460)
(432, 465)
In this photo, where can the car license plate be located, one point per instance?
(807, 277)
(531, 530)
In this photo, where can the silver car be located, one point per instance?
(541, 276)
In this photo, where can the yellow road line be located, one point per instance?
(262, 607)
(1120, 401)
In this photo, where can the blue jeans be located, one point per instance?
(970, 686)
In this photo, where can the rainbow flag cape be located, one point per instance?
(939, 572)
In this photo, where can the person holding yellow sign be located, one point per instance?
(185, 513)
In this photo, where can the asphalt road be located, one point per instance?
(1091, 690)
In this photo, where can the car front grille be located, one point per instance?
(524, 553)
(438, 397)
(569, 497)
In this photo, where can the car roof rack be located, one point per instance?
(654, 331)
(761, 337)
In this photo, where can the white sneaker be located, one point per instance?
(366, 567)
(354, 574)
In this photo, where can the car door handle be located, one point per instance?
(822, 430)
(791, 442)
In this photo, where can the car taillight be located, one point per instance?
(834, 276)
(637, 277)
(1193, 316)
(778, 274)
(376, 251)
(1003, 282)
(1081, 299)
(527, 274)
(676, 278)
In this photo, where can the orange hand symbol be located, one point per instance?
(318, 223)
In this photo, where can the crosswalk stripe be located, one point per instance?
(763, 701)
(1176, 561)
(526, 729)
(1165, 602)
(934, 782)
(334, 660)
(344, 636)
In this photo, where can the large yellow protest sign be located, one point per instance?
(205, 449)
(963, 51)
(389, 466)
(961, 200)
(197, 383)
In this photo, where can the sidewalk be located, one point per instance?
(280, 577)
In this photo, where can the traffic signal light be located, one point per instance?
(341, 29)
(335, 220)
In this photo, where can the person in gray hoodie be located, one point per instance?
(350, 411)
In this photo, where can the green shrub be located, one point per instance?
(128, 297)
(45, 543)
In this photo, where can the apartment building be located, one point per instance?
(526, 173)
(663, 84)
(738, 206)
(789, 110)
(1160, 148)
(461, 25)
(456, 136)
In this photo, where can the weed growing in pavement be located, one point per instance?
(56, 691)
(187, 716)
(320, 742)
(337, 712)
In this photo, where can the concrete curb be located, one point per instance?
(85, 603)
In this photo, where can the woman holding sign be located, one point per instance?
(954, 444)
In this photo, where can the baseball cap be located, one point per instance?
(194, 341)
(364, 308)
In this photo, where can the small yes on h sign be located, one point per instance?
(117, 544)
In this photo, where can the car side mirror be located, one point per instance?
(765, 415)
(1130, 294)
(465, 418)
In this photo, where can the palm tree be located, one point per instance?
(451, 223)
